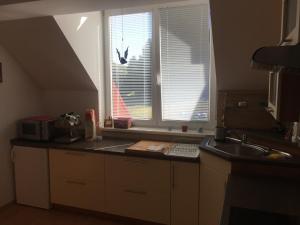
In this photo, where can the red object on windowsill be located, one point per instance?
(122, 123)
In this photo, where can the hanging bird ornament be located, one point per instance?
(123, 59)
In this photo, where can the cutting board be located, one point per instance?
(150, 147)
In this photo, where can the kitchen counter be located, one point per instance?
(289, 162)
(256, 166)
(107, 145)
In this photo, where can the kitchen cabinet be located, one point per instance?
(31, 176)
(214, 173)
(284, 94)
(184, 193)
(77, 179)
(138, 188)
(274, 94)
(290, 25)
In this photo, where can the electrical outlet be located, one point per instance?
(242, 104)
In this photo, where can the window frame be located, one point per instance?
(156, 120)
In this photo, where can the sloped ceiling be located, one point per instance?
(58, 7)
(239, 28)
(43, 51)
(7, 2)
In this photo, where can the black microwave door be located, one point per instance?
(30, 130)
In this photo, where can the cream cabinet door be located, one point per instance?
(185, 193)
(214, 174)
(77, 179)
(138, 188)
(31, 176)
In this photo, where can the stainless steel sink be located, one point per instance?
(277, 154)
(236, 147)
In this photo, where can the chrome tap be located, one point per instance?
(244, 138)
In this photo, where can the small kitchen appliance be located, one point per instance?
(38, 128)
(67, 128)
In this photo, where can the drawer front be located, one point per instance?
(78, 193)
(138, 188)
(139, 203)
(140, 172)
(76, 165)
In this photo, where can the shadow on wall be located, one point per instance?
(19, 98)
(239, 28)
(57, 102)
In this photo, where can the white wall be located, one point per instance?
(86, 39)
(83, 36)
(19, 98)
(57, 102)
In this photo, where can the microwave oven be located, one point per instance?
(40, 128)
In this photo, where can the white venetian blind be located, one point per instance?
(185, 63)
(131, 82)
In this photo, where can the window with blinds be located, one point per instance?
(132, 82)
(185, 63)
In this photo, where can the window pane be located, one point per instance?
(131, 82)
(185, 63)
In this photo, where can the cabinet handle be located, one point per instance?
(136, 161)
(12, 155)
(135, 192)
(75, 153)
(76, 182)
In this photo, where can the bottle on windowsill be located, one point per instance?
(108, 122)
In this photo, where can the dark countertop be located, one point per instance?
(287, 162)
(270, 136)
(107, 145)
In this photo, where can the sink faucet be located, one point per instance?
(244, 138)
(244, 141)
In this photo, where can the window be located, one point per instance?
(185, 63)
(131, 82)
(166, 79)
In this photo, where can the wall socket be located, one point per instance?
(242, 104)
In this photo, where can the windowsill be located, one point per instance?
(160, 131)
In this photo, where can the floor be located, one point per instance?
(22, 215)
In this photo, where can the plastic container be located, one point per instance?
(90, 125)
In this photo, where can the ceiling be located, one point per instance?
(40, 46)
(6, 2)
(18, 9)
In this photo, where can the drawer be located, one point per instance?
(78, 193)
(136, 172)
(138, 188)
(139, 203)
(76, 165)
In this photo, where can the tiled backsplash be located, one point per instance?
(243, 109)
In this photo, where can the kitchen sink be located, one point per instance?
(236, 147)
